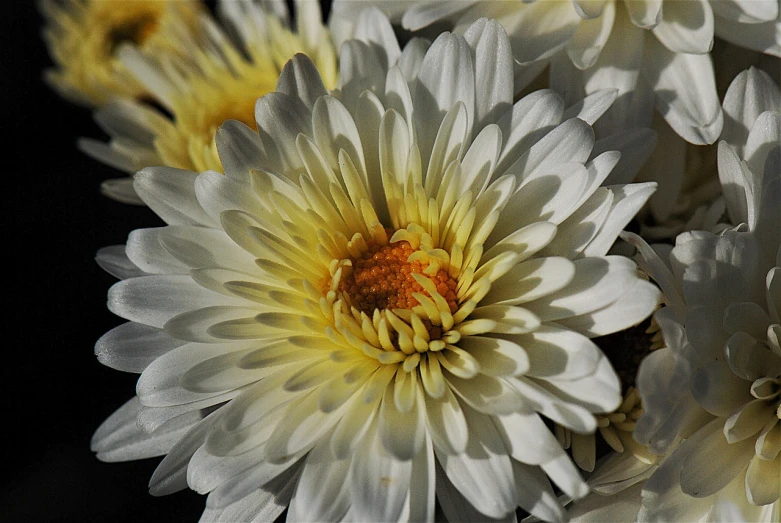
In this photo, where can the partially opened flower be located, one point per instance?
(382, 296)
(712, 397)
(219, 80)
(84, 36)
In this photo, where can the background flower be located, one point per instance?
(218, 80)
(720, 326)
(84, 37)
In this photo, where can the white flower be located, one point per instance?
(654, 52)
(217, 81)
(715, 390)
(84, 36)
(381, 296)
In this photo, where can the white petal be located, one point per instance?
(153, 300)
(633, 307)
(685, 91)
(635, 147)
(422, 14)
(598, 282)
(571, 141)
(446, 423)
(764, 37)
(119, 189)
(686, 27)
(280, 118)
(590, 38)
(171, 474)
(402, 433)
(114, 261)
(718, 390)
(645, 14)
(535, 494)
(334, 129)
(702, 475)
(599, 392)
(748, 12)
(146, 252)
(161, 383)
(119, 438)
(239, 149)
(559, 353)
(300, 79)
(492, 57)
(446, 77)
(131, 347)
(423, 481)
(564, 474)
(320, 493)
(483, 473)
(379, 482)
(538, 30)
(627, 201)
(198, 247)
(763, 482)
(750, 94)
(456, 507)
(592, 106)
(171, 194)
(373, 27)
(532, 117)
(527, 438)
(530, 280)
(244, 499)
(764, 136)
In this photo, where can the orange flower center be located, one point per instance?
(382, 279)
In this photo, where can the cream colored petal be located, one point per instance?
(483, 473)
(763, 37)
(590, 38)
(645, 13)
(119, 439)
(686, 27)
(685, 91)
(763, 481)
(702, 475)
(320, 494)
(379, 482)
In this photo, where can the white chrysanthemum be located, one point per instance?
(381, 296)
(654, 52)
(716, 388)
(218, 81)
(84, 36)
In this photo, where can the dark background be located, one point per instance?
(54, 391)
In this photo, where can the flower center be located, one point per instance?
(382, 278)
(134, 31)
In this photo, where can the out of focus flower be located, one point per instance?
(655, 53)
(712, 398)
(381, 296)
(84, 37)
(219, 80)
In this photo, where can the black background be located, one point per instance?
(54, 391)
